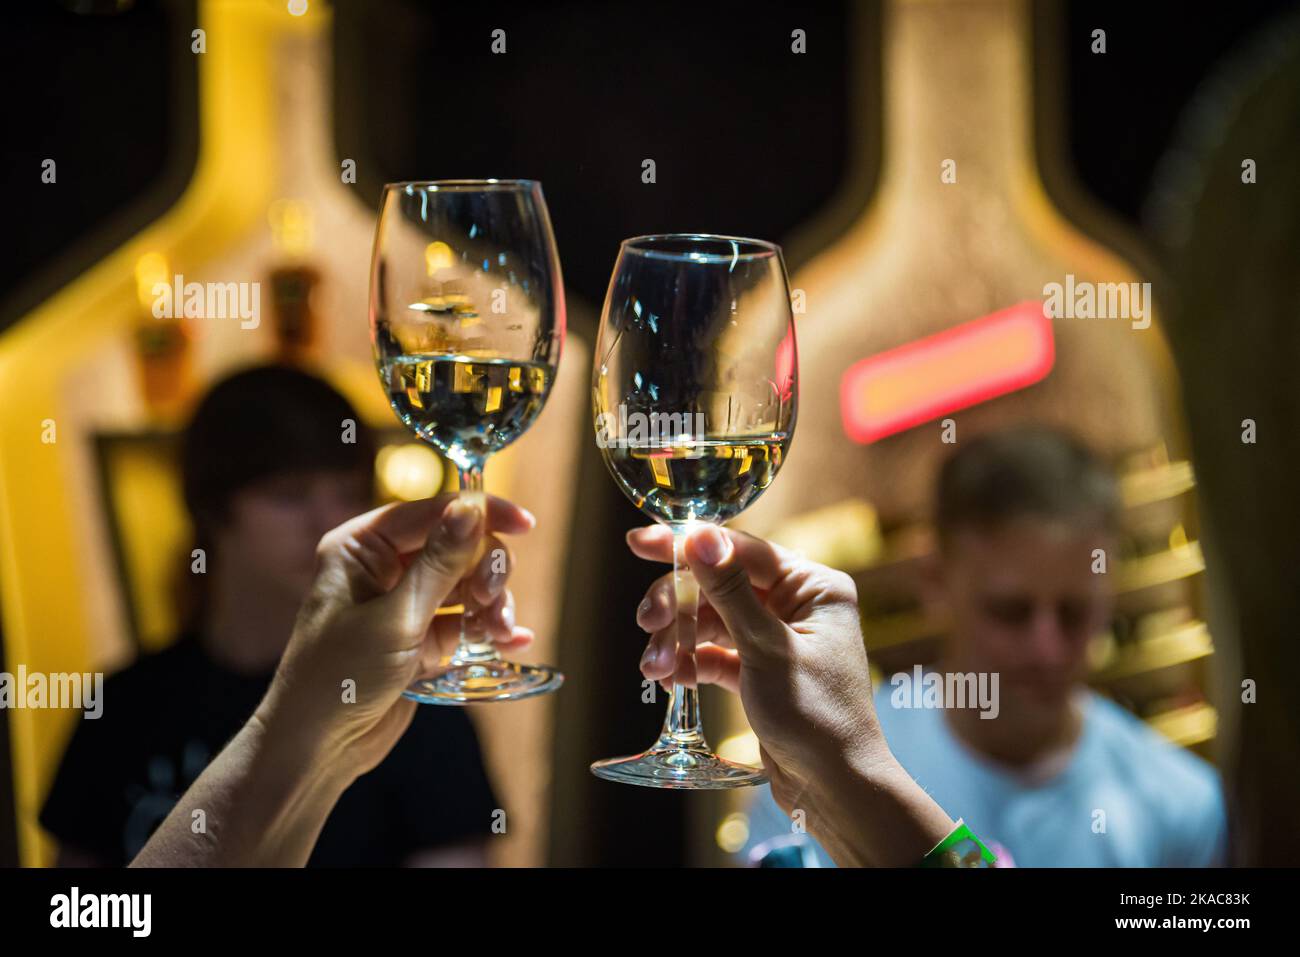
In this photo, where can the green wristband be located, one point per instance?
(961, 848)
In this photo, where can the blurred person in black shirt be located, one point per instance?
(266, 472)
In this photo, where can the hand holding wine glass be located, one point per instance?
(368, 621)
(785, 634)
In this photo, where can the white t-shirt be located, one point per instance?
(1123, 796)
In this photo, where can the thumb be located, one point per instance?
(437, 569)
(724, 581)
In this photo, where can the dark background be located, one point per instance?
(587, 91)
(748, 140)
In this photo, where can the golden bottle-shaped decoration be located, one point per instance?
(960, 228)
(959, 301)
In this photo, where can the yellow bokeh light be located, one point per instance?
(408, 472)
(733, 832)
(741, 748)
(150, 269)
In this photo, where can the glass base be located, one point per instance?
(485, 681)
(692, 769)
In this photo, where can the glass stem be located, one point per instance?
(475, 646)
(682, 728)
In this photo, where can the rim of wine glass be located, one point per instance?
(764, 248)
(464, 184)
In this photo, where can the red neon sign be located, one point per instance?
(950, 370)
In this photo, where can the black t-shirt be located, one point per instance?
(168, 715)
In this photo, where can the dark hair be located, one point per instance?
(1029, 472)
(258, 423)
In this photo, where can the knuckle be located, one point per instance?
(733, 584)
(363, 548)
(439, 561)
(326, 545)
(841, 584)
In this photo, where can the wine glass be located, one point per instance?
(694, 393)
(467, 322)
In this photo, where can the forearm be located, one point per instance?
(263, 802)
(873, 814)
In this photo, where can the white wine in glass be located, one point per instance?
(467, 322)
(695, 396)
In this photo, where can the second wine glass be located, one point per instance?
(695, 397)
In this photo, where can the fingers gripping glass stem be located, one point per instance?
(681, 758)
(477, 672)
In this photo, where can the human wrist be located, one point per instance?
(302, 743)
(262, 802)
(298, 778)
(885, 819)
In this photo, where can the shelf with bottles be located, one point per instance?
(851, 531)
(1179, 711)
(1156, 483)
(1158, 641)
(1188, 726)
(1152, 642)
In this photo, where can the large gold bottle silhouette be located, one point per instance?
(268, 203)
(961, 227)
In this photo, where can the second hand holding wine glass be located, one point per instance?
(695, 398)
(467, 322)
